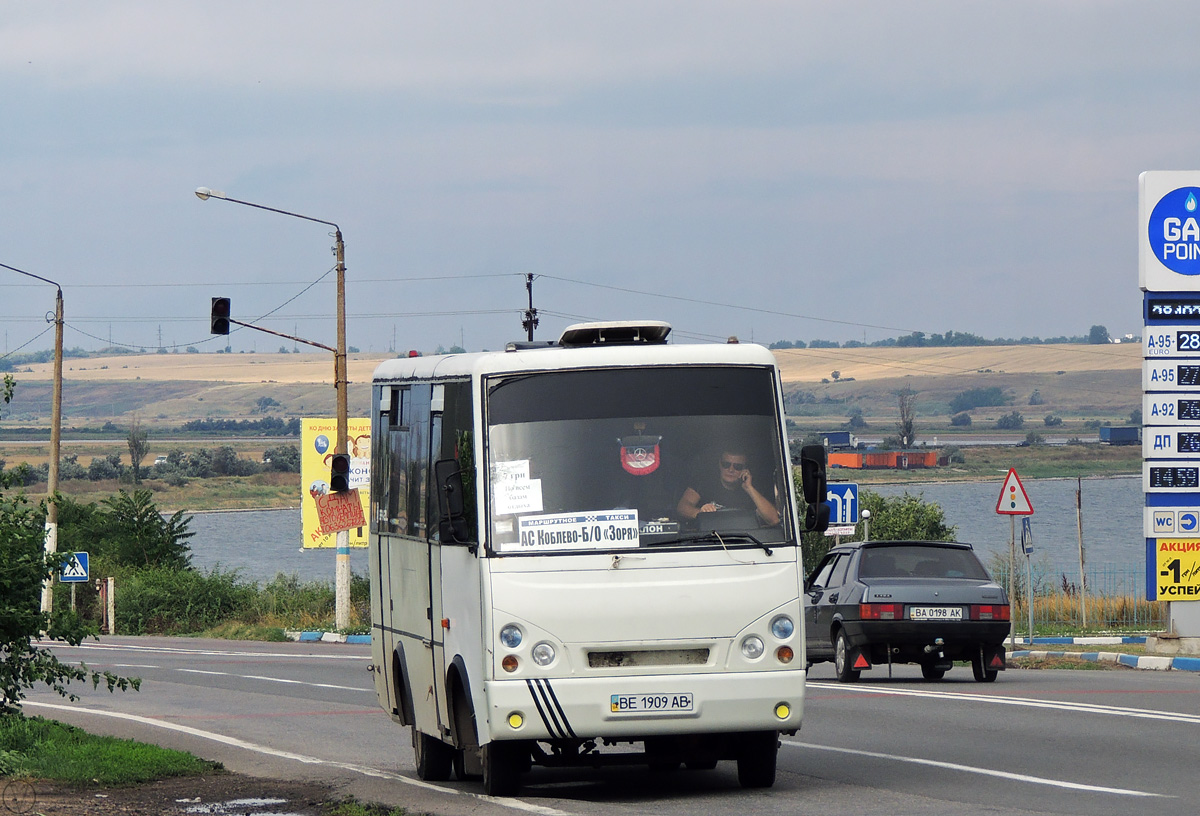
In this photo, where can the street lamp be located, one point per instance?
(342, 572)
(55, 432)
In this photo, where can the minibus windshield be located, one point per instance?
(624, 458)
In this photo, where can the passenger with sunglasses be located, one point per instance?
(732, 487)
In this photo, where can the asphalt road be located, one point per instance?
(1085, 742)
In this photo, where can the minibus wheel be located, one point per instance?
(502, 767)
(757, 753)
(434, 758)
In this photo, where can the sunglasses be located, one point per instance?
(735, 466)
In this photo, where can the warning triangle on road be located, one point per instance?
(1013, 501)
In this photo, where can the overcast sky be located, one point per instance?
(772, 170)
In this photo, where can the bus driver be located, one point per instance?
(731, 487)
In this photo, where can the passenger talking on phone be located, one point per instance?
(731, 487)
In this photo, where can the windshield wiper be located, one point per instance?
(721, 538)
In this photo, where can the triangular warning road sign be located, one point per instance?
(1013, 501)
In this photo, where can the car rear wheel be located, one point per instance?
(841, 659)
(982, 674)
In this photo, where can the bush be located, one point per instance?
(1052, 421)
(109, 467)
(1010, 422)
(978, 398)
(164, 601)
(282, 459)
(962, 420)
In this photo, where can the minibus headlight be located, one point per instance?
(782, 627)
(510, 636)
(752, 647)
(542, 654)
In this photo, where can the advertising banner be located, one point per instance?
(318, 441)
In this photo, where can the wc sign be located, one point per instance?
(1162, 521)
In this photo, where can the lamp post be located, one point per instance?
(342, 570)
(55, 432)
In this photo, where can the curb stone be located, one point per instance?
(1148, 662)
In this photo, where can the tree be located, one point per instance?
(138, 448)
(24, 567)
(905, 517)
(132, 532)
(893, 518)
(907, 401)
(1098, 335)
(1036, 398)
(837, 375)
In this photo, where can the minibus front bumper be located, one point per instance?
(626, 707)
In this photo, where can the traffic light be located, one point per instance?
(220, 315)
(339, 473)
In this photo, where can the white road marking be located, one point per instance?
(953, 766)
(276, 680)
(1026, 702)
(101, 647)
(515, 804)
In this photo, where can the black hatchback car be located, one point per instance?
(883, 602)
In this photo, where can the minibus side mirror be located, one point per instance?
(813, 483)
(452, 528)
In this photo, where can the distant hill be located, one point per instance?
(1078, 382)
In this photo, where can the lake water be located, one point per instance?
(1112, 519)
(262, 543)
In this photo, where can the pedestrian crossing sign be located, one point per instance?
(75, 568)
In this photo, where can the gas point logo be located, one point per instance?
(1174, 232)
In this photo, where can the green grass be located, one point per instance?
(44, 749)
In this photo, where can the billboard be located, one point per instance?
(318, 441)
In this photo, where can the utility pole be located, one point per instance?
(531, 319)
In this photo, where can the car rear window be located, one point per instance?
(920, 562)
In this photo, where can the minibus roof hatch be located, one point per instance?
(615, 333)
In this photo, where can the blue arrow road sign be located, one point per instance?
(75, 569)
(844, 497)
(1188, 522)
